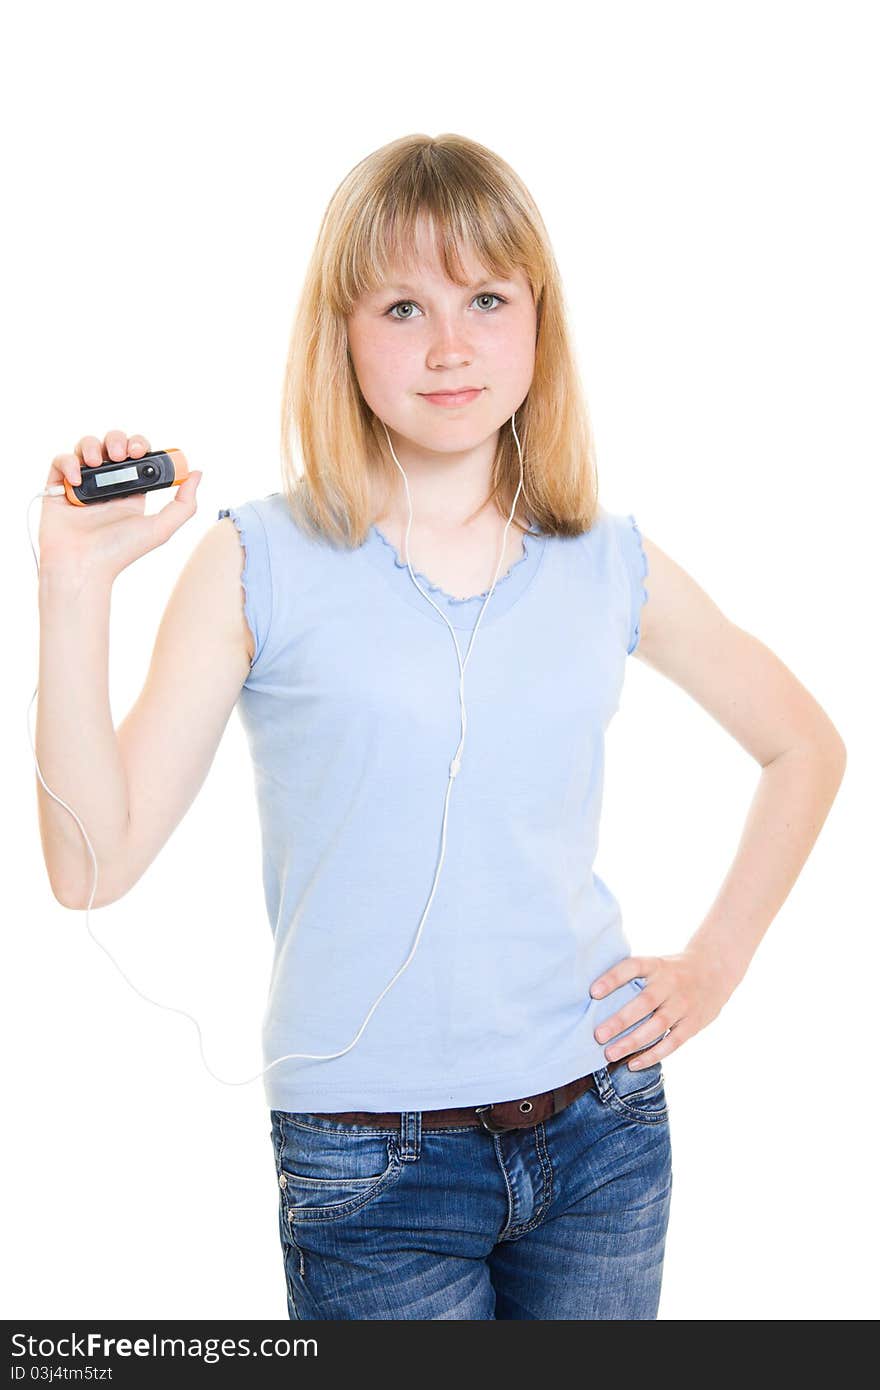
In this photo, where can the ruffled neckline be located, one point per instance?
(528, 538)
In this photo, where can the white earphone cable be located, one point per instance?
(454, 768)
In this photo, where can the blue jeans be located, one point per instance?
(566, 1219)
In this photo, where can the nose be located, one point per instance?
(450, 346)
(450, 353)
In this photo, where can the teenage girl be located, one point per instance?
(425, 632)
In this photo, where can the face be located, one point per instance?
(421, 333)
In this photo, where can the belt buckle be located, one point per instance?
(486, 1122)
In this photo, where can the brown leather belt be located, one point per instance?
(496, 1118)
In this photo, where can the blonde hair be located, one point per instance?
(474, 200)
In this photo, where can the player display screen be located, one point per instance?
(119, 475)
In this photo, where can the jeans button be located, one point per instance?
(282, 1181)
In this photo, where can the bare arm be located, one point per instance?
(200, 661)
(750, 691)
(132, 786)
(74, 741)
(761, 703)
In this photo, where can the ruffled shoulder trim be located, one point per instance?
(255, 574)
(641, 574)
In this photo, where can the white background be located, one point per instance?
(707, 174)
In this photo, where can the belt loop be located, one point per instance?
(410, 1135)
(603, 1084)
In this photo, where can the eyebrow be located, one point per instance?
(401, 288)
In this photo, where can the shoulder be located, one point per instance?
(267, 531)
(279, 567)
(247, 540)
(619, 540)
(679, 611)
(730, 672)
(274, 519)
(260, 514)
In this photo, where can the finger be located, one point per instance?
(619, 974)
(64, 466)
(89, 451)
(116, 443)
(667, 1044)
(650, 1032)
(137, 446)
(632, 1012)
(179, 509)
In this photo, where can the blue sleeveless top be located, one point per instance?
(352, 717)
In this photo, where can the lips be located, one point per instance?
(452, 398)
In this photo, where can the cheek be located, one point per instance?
(512, 365)
(383, 365)
(512, 344)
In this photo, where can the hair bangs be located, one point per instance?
(462, 224)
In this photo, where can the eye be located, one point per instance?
(389, 313)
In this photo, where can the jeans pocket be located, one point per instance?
(639, 1095)
(326, 1173)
